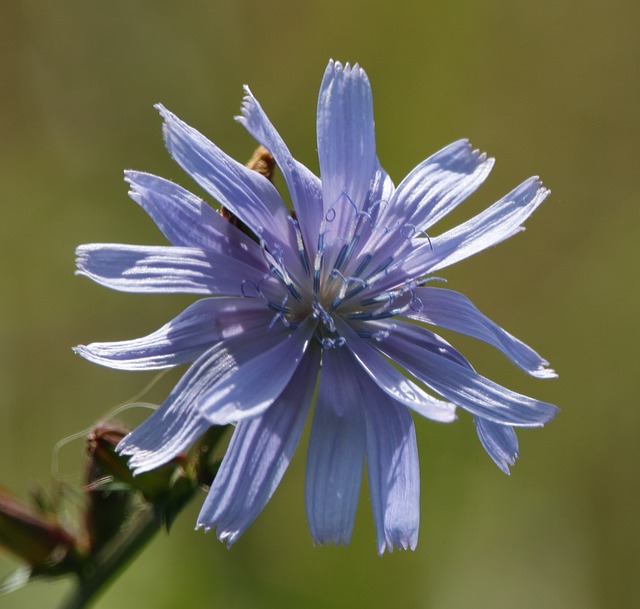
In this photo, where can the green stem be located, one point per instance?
(97, 572)
(102, 572)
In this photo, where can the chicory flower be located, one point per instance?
(330, 303)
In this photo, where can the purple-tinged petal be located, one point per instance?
(440, 183)
(381, 189)
(454, 311)
(393, 470)
(178, 422)
(346, 144)
(184, 338)
(392, 381)
(250, 387)
(186, 220)
(244, 192)
(490, 227)
(336, 451)
(500, 441)
(429, 192)
(165, 269)
(464, 387)
(497, 223)
(416, 335)
(258, 456)
(305, 188)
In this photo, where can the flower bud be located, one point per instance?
(35, 537)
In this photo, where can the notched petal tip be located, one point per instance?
(162, 110)
(551, 413)
(330, 542)
(337, 68)
(82, 254)
(246, 106)
(397, 544)
(169, 119)
(544, 372)
(81, 350)
(226, 537)
(535, 187)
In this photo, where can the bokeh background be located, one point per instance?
(549, 87)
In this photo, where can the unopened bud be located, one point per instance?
(35, 537)
(107, 465)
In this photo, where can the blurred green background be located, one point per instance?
(547, 87)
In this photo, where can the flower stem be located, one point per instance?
(101, 572)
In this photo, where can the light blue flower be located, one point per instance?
(336, 296)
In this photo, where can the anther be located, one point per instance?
(366, 259)
(302, 252)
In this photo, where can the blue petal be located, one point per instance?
(497, 223)
(187, 221)
(440, 183)
(336, 452)
(500, 441)
(258, 456)
(381, 189)
(428, 193)
(250, 387)
(393, 469)
(168, 269)
(454, 311)
(392, 381)
(490, 227)
(416, 335)
(184, 338)
(463, 386)
(245, 193)
(346, 144)
(304, 187)
(179, 422)
(176, 424)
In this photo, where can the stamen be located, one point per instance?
(277, 269)
(426, 280)
(282, 314)
(408, 235)
(380, 268)
(374, 204)
(379, 335)
(332, 343)
(340, 296)
(347, 252)
(416, 304)
(366, 259)
(317, 262)
(365, 214)
(302, 252)
(285, 321)
(372, 278)
(348, 198)
(414, 232)
(323, 316)
(341, 257)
